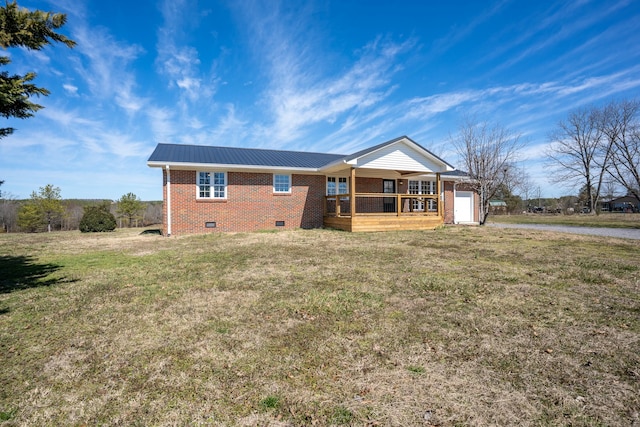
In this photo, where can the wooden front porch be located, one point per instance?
(382, 212)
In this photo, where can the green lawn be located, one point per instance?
(614, 220)
(458, 326)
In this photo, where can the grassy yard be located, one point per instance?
(614, 220)
(458, 326)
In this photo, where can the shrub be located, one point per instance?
(97, 219)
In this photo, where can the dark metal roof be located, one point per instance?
(202, 154)
(178, 153)
(455, 172)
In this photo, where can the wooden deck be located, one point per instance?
(367, 223)
(383, 212)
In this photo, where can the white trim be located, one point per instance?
(211, 184)
(168, 201)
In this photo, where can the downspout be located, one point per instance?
(440, 196)
(168, 201)
(454, 202)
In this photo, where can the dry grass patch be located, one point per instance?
(604, 219)
(458, 326)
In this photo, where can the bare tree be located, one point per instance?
(8, 212)
(488, 153)
(579, 153)
(524, 187)
(620, 125)
(610, 188)
(152, 213)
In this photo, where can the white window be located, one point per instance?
(423, 187)
(342, 186)
(212, 185)
(281, 183)
(337, 185)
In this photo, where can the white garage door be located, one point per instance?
(463, 207)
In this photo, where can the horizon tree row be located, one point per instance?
(47, 211)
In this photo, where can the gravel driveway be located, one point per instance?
(624, 233)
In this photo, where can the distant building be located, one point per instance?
(621, 204)
(498, 207)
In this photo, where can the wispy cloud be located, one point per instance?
(529, 27)
(431, 105)
(105, 64)
(117, 144)
(605, 50)
(71, 89)
(162, 126)
(179, 62)
(304, 90)
(365, 84)
(66, 118)
(562, 22)
(459, 33)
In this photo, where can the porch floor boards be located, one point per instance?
(383, 223)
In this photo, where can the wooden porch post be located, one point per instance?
(439, 191)
(352, 192)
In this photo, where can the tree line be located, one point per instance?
(45, 210)
(597, 149)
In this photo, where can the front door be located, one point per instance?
(389, 203)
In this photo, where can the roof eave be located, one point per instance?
(464, 178)
(225, 166)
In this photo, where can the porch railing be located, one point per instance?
(391, 204)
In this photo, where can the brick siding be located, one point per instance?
(251, 204)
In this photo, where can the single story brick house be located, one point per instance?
(396, 185)
(621, 204)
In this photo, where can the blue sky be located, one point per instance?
(328, 76)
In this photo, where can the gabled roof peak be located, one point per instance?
(399, 139)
